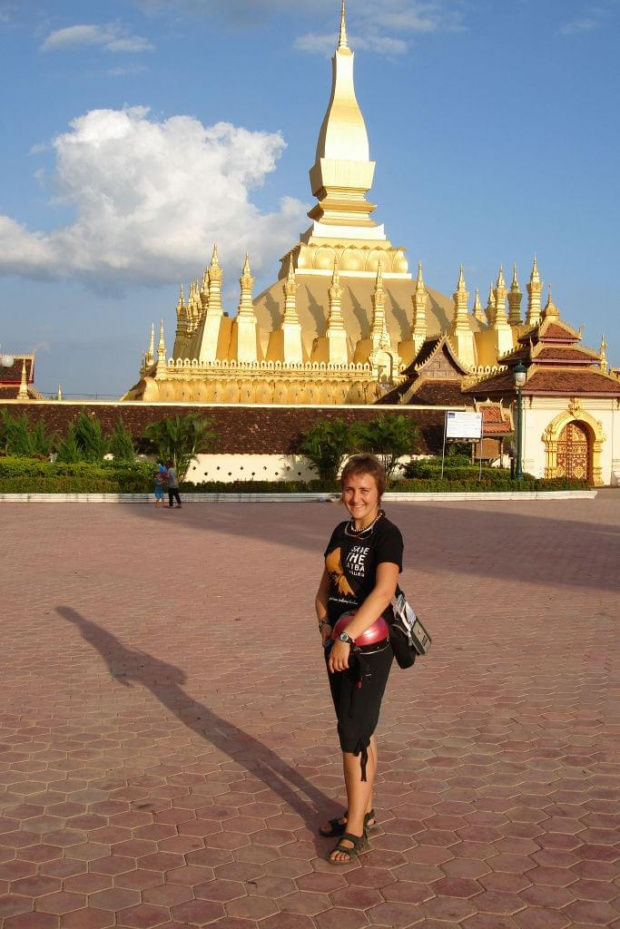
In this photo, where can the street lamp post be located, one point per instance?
(519, 375)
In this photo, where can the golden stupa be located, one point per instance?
(345, 317)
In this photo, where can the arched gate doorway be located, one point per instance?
(575, 452)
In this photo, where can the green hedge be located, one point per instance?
(29, 476)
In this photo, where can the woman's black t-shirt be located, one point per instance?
(351, 562)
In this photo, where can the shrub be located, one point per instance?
(22, 439)
(388, 437)
(121, 444)
(326, 445)
(180, 439)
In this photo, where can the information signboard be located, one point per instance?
(465, 426)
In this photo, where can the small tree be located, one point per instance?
(326, 445)
(389, 438)
(89, 437)
(180, 439)
(21, 439)
(69, 451)
(121, 443)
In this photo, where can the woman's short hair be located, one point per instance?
(364, 464)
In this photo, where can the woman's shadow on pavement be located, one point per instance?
(128, 666)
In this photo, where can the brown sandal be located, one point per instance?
(336, 828)
(359, 843)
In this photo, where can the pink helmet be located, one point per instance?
(378, 632)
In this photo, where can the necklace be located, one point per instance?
(352, 531)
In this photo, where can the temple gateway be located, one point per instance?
(348, 323)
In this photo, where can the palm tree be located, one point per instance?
(180, 439)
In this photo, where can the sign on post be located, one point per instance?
(465, 427)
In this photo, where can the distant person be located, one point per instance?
(363, 559)
(173, 485)
(158, 488)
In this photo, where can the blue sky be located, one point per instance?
(138, 132)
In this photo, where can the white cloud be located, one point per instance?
(594, 17)
(150, 198)
(110, 37)
(579, 25)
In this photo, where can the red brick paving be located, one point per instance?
(167, 747)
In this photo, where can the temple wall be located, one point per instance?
(240, 430)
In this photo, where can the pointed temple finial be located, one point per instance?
(461, 281)
(478, 309)
(603, 355)
(23, 387)
(343, 42)
(246, 266)
(214, 258)
(336, 274)
(514, 299)
(550, 307)
(501, 282)
(420, 280)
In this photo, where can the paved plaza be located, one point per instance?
(168, 749)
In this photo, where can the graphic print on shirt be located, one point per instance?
(355, 566)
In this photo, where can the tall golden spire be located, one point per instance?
(603, 356)
(246, 318)
(343, 42)
(342, 172)
(215, 286)
(150, 355)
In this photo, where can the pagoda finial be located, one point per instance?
(23, 387)
(343, 41)
(501, 282)
(214, 258)
(336, 274)
(246, 266)
(420, 280)
(603, 355)
(461, 281)
(478, 309)
(514, 299)
(161, 348)
(550, 307)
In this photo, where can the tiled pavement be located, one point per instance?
(168, 748)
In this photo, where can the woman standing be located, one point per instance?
(362, 562)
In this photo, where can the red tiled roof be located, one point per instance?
(558, 331)
(562, 354)
(572, 382)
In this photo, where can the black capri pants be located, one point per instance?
(357, 694)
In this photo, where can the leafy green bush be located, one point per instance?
(121, 444)
(326, 445)
(180, 439)
(389, 437)
(20, 438)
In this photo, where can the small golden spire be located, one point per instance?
(603, 356)
(379, 282)
(515, 279)
(461, 281)
(246, 266)
(420, 281)
(550, 308)
(161, 348)
(535, 276)
(500, 278)
(181, 296)
(478, 309)
(336, 274)
(343, 41)
(214, 258)
(23, 387)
